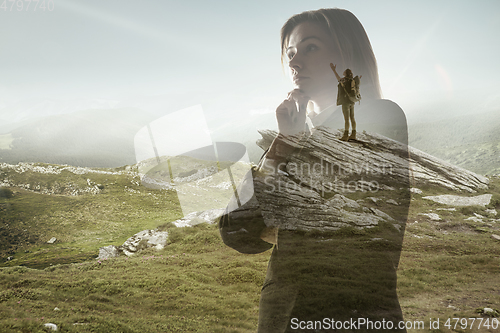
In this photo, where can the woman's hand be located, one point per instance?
(291, 113)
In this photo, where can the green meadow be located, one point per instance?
(448, 268)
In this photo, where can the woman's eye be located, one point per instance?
(311, 47)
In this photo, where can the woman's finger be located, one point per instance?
(286, 107)
(291, 106)
(291, 113)
(301, 99)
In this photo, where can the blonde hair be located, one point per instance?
(349, 37)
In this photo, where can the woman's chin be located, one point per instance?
(314, 89)
(305, 88)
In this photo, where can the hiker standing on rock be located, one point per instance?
(346, 90)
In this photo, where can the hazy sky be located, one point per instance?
(230, 49)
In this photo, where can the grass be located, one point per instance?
(196, 284)
(448, 268)
(154, 292)
(478, 157)
(471, 142)
(81, 223)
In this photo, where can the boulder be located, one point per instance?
(154, 238)
(107, 252)
(425, 169)
(489, 312)
(416, 190)
(459, 200)
(144, 239)
(320, 185)
(432, 216)
(51, 326)
(140, 241)
(474, 219)
(491, 212)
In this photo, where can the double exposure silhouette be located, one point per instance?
(335, 254)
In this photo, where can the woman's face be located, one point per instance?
(309, 52)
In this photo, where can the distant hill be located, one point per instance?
(447, 128)
(92, 138)
(24, 111)
(469, 141)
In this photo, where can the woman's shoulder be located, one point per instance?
(383, 104)
(382, 108)
(373, 109)
(384, 117)
(381, 116)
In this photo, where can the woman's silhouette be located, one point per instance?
(340, 275)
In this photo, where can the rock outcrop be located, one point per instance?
(425, 169)
(19, 176)
(109, 251)
(143, 240)
(140, 241)
(154, 238)
(457, 200)
(327, 184)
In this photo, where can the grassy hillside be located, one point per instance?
(81, 223)
(471, 142)
(448, 268)
(195, 285)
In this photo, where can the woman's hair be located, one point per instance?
(349, 36)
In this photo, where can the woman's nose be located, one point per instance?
(295, 63)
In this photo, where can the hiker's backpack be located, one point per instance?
(355, 89)
(351, 89)
(355, 96)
